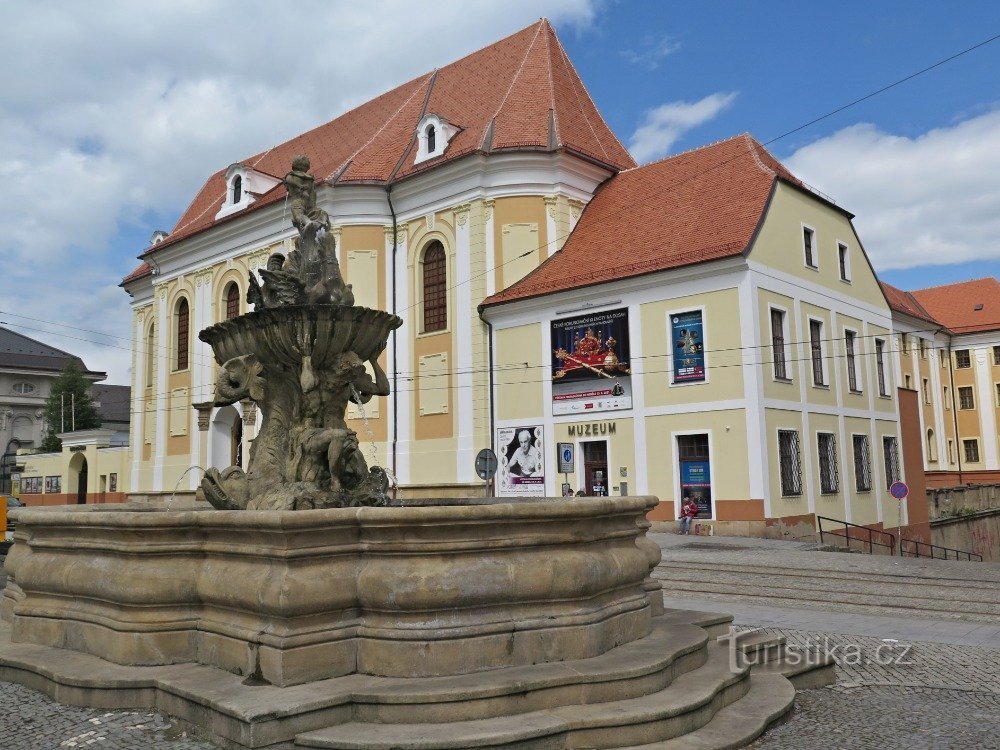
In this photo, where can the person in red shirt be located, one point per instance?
(689, 510)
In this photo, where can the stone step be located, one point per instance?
(758, 647)
(739, 723)
(710, 581)
(713, 623)
(764, 652)
(688, 703)
(984, 587)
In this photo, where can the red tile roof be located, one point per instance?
(520, 93)
(697, 206)
(143, 269)
(954, 305)
(905, 302)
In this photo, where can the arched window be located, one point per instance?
(237, 189)
(182, 319)
(435, 293)
(232, 300)
(150, 355)
(931, 448)
(431, 139)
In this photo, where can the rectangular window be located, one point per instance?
(862, 463)
(947, 399)
(53, 484)
(808, 237)
(842, 257)
(112, 483)
(971, 451)
(688, 334)
(943, 357)
(996, 355)
(904, 345)
(828, 480)
(890, 451)
(852, 364)
(880, 366)
(778, 344)
(998, 394)
(962, 359)
(923, 348)
(965, 398)
(926, 391)
(816, 350)
(790, 466)
(31, 485)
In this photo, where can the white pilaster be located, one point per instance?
(160, 395)
(138, 412)
(753, 390)
(465, 310)
(986, 410)
(400, 359)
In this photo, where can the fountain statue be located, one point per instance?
(300, 356)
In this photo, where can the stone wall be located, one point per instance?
(966, 517)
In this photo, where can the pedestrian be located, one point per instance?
(688, 511)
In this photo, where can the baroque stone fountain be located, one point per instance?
(301, 611)
(300, 356)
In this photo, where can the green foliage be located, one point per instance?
(69, 403)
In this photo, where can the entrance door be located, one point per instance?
(695, 472)
(81, 487)
(595, 467)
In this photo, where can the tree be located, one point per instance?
(70, 406)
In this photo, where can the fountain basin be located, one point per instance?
(295, 596)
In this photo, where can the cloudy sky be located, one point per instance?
(112, 114)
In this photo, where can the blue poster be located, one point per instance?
(688, 336)
(696, 483)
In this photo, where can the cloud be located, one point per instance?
(651, 51)
(662, 126)
(116, 112)
(919, 201)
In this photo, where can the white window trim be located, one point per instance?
(670, 354)
(979, 452)
(819, 463)
(443, 133)
(787, 346)
(678, 490)
(854, 464)
(825, 385)
(886, 375)
(815, 246)
(847, 363)
(801, 461)
(847, 261)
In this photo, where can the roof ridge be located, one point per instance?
(752, 146)
(576, 76)
(956, 283)
(554, 129)
(517, 73)
(695, 149)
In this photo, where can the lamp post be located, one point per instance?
(6, 462)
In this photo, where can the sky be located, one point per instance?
(113, 114)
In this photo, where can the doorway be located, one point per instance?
(81, 486)
(696, 472)
(595, 467)
(76, 482)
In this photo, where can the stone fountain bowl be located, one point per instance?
(283, 334)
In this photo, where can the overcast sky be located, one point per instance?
(112, 114)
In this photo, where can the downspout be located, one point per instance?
(489, 340)
(395, 368)
(954, 409)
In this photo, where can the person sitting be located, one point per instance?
(689, 510)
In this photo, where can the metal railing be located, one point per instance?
(960, 554)
(868, 532)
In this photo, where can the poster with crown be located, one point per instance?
(590, 363)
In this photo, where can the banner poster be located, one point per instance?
(689, 347)
(590, 363)
(696, 482)
(522, 461)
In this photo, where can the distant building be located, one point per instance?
(93, 465)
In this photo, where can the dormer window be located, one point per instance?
(434, 133)
(243, 185)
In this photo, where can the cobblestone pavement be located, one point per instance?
(30, 720)
(894, 696)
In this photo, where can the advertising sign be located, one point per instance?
(590, 363)
(688, 335)
(567, 458)
(522, 461)
(696, 483)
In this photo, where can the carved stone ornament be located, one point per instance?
(204, 409)
(300, 355)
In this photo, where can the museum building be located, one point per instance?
(705, 325)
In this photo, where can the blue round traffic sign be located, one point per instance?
(899, 490)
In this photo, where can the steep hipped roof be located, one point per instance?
(905, 302)
(520, 93)
(697, 206)
(955, 305)
(20, 351)
(113, 402)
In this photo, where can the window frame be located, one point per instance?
(972, 443)
(829, 470)
(779, 356)
(150, 355)
(817, 353)
(851, 359)
(925, 387)
(890, 458)
(863, 479)
(963, 355)
(440, 307)
(844, 261)
(966, 389)
(996, 356)
(228, 302)
(793, 472)
(182, 334)
(810, 248)
(883, 387)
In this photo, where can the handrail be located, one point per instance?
(918, 544)
(846, 535)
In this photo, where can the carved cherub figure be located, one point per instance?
(301, 187)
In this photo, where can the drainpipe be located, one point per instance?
(395, 368)
(489, 340)
(954, 410)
